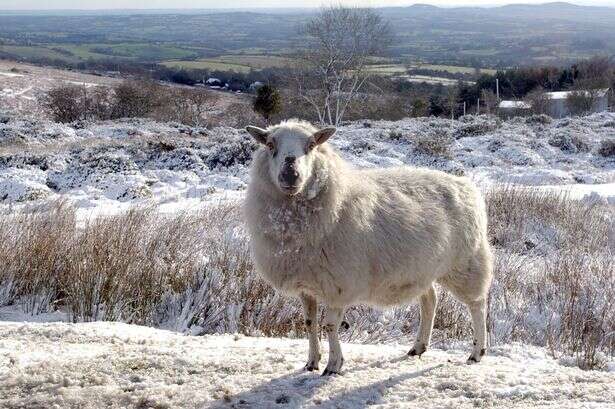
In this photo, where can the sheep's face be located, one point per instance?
(291, 155)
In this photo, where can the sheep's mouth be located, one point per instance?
(289, 190)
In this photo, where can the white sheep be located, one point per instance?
(324, 232)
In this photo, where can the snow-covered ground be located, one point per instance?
(22, 85)
(108, 166)
(115, 365)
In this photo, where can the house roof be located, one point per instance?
(515, 105)
(599, 93)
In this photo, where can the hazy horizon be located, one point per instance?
(243, 4)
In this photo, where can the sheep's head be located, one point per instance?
(291, 153)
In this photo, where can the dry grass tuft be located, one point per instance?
(191, 272)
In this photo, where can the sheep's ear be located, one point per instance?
(257, 133)
(323, 135)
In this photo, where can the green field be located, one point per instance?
(397, 69)
(453, 69)
(188, 57)
(122, 51)
(36, 52)
(238, 63)
(208, 64)
(388, 69)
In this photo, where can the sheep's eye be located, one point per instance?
(270, 146)
(311, 146)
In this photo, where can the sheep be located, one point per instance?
(324, 232)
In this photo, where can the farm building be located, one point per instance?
(560, 104)
(509, 109)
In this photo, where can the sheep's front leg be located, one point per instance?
(478, 310)
(310, 312)
(429, 300)
(333, 320)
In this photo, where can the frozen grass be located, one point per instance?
(191, 272)
(434, 145)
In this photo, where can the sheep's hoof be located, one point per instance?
(417, 350)
(311, 366)
(475, 357)
(333, 369)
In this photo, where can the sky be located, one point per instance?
(161, 4)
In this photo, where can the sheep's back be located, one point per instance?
(404, 228)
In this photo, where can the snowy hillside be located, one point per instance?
(23, 85)
(105, 165)
(116, 365)
(191, 272)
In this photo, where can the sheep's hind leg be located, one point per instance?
(428, 302)
(310, 312)
(478, 310)
(333, 320)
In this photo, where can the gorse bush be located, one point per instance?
(191, 272)
(131, 99)
(434, 145)
(607, 148)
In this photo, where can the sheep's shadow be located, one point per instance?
(296, 390)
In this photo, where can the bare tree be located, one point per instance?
(581, 102)
(489, 101)
(188, 106)
(538, 100)
(333, 67)
(66, 103)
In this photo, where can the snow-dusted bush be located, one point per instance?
(475, 126)
(568, 142)
(434, 145)
(229, 151)
(541, 119)
(554, 281)
(607, 148)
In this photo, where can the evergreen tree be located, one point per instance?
(268, 101)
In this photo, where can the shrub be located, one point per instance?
(539, 102)
(580, 102)
(434, 146)
(475, 127)
(190, 107)
(538, 119)
(268, 102)
(136, 99)
(395, 135)
(67, 103)
(569, 143)
(607, 148)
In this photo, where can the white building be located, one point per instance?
(557, 105)
(509, 109)
(558, 108)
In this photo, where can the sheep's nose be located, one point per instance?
(289, 174)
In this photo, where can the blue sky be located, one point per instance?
(124, 4)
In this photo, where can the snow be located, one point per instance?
(115, 365)
(10, 74)
(515, 104)
(565, 94)
(111, 164)
(603, 193)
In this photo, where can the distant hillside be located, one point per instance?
(471, 36)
